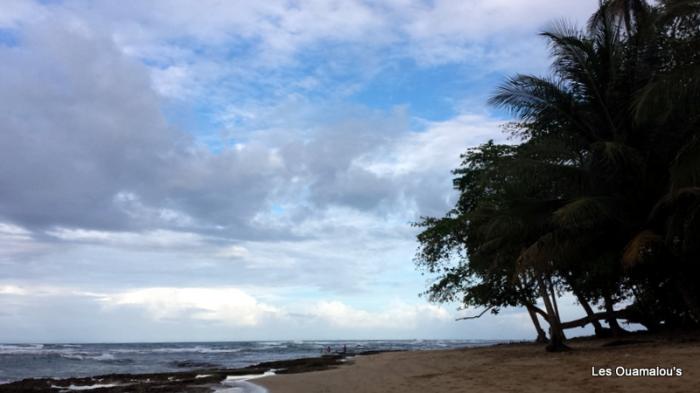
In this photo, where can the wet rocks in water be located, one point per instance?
(205, 379)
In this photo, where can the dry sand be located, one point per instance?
(505, 368)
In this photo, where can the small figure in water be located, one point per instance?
(345, 348)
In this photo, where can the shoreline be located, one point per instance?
(203, 380)
(515, 366)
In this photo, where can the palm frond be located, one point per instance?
(641, 248)
(542, 99)
(685, 169)
(674, 92)
(629, 12)
(616, 161)
(585, 213)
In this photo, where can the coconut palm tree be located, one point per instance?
(608, 170)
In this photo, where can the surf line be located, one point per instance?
(236, 383)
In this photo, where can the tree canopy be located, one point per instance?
(601, 196)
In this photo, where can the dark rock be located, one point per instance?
(181, 381)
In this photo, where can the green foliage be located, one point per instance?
(601, 196)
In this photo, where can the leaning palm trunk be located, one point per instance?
(689, 298)
(597, 327)
(556, 334)
(617, 330)
(541, 335)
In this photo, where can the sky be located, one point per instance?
(178, 170)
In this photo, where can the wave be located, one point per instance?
(196, 349)
(20, 348)
(103, 356)
(268, 347)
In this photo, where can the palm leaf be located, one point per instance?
(586, 213)
(641, 248)
(543, 100)
(685, 169)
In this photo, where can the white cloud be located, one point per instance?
(159, 238)
(17, 242)
(230, 306)
(236, 307)
(236, 313)
(221, 51)
(34, 290)
(171, 81)
(298, 190)
(11, 231)
(14, 12)
(397, 315)
(12, 290)
(233, 252)
(436, 148)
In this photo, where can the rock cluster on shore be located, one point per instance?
(202, 380)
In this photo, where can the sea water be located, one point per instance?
(19, 361)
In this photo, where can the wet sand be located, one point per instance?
(509, 368)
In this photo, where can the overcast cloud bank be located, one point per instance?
(241, 171)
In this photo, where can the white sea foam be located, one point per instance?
(238, 378)
(242, 387)
(84, 387)
(104, 356)
(266, 347)
(240, 384)
(20, 348)
(72, 356)
(196, 349)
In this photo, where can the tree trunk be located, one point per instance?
(595, 317)
(689, 299)
(617, 330)
(556, 334)
(599, 330)
(553, 294)
(541, 335)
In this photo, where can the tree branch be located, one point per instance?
(594, 317)
(539, 311)
(474, 316)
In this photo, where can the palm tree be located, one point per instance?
(608, 170)
(596, 105)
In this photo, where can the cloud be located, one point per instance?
(229, 306)
(181, 313)
(448, 31)
(13, 232)
(242, 52)
(114, 162)
(104, 158)
(12, 290)
(150, 239)
(87, 147)
(76, 132)
(17, 11)
(166, 156)
(235, 307)
(233, 252)
(396, 316)
(440, 146)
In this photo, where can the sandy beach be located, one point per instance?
(507, 368)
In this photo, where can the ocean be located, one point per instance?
(19, 361)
